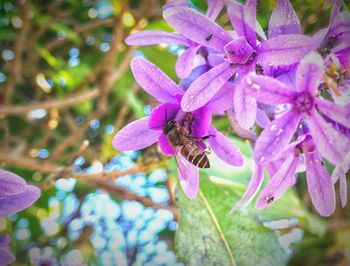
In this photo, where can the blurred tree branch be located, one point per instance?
(95, 87)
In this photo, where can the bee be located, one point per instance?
(185, 144)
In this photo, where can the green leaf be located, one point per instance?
(209, 235)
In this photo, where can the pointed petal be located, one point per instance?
(4, 240)
(185, 62)
(224, 148)
(309, 73)
(6, 257)
(154, 81)
(11, 184)
(268, 90)
(243, 19)
(162, 114)
(253, 187)
(205, 87)
(320, 36)
(320, 185)
(188, 177)
(201, 123)
(343, 190)
(283, 179)
(250, 19)
(214, 8)
(135, 136)
(15, 203)
(150, 37)
(197, 27)
(223, 99)
(165, 146)
(283, 20)
(276, 137)
(338, 113)
(330, 143)
(285, 49)
(244, 105)
(262, 119)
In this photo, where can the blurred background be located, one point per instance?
(65, 90)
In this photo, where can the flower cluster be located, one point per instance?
(293, 86)
(15, 195)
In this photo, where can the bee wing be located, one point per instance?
(188, 175)
(195, 154)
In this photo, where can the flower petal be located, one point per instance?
(162, 114)
(6, 257)
(214, 8)
(4, 241)
(135, 136)
(338, 113)
(223, 99)
(177, 3)
(150, 37)
(285, 49)
(273, 139)
(243, 19)
(197, 27)
(262, 119)
(283, 20)
(15, 203)
(244, 105)
(11, 184)
(253, 187)
(224, 148)
(188, 177)
(309, 73)
(165, 146)
(154, 81)
(185, 62)
(320, 185)
(268, 90)
(343, 190)
(283, 179)
(330, 143)
(201, 122)
(205, 87)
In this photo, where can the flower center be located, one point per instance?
(238, 51)
(303, 102)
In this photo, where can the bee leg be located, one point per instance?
(206, 137)
(208, 150)
(201, 138)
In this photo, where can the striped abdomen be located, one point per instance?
(194, 153)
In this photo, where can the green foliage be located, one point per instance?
(209, 235)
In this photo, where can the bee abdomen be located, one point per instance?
(195, 155)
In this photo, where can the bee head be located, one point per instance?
(169, 126)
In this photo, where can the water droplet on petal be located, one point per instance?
(273, 127)
(256, 86)
(249, 81)
(262, 158)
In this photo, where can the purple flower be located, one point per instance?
(319, 183)
(6, 256)
(186, 61)
(304, 106)
(336, 37)
(15, 195)
(146, 131)
(236, 54)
